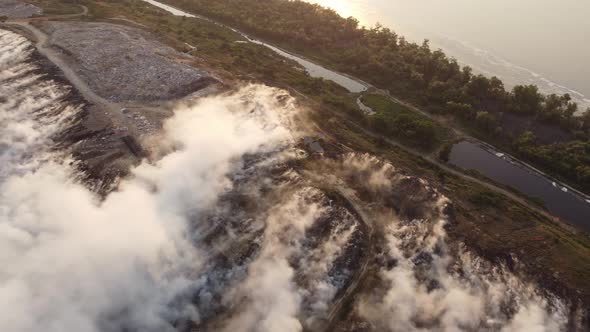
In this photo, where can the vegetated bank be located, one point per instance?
(541, 129)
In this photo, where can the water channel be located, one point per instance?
(314, 70)
(558, 199)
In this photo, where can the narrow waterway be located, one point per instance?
(567, 205)
(312, 69)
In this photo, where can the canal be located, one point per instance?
(312, 69)
(559, 200)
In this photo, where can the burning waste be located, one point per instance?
(230, 226)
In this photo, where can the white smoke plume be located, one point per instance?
(427, 290)
(272, 298)
(30, 108)
(73, 262)
(318, 263)
(142, 258)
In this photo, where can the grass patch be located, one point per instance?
(397, 121)
(384, 105)
(53, 7)
(486, 198)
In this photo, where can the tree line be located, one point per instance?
(415, 72)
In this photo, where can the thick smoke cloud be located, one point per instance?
(425, 282)
(73, 262)
(146, 256)
(30, 112)
(273, 299)
(428, 290)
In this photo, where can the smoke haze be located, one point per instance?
(73, 262)
(223, 232)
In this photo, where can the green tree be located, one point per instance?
(467, 74)
(526, 99)
(486, 121)
(525, 141)
(583, 174)
(559, 110)
(585, 120)
(461, 110)
(479, 88)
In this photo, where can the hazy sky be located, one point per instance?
(549, 37)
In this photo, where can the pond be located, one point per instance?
(558, 199)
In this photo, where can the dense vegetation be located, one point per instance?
(397, 121)
(418, 74)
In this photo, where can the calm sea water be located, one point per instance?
(544, 42)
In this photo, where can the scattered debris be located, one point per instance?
(18, 9)
(122, 63)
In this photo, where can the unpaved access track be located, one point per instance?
(113, 109)
(339, 187)
(121, 72)
(123, 104)
(339, 305)
(84, 12)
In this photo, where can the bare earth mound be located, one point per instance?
(124, 64)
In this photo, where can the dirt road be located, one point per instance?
(42, 45)
(359, 208)
(84, 12)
